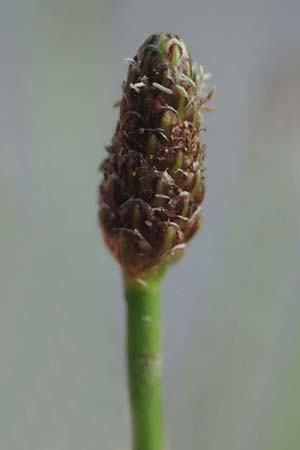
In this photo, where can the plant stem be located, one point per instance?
(144, 360)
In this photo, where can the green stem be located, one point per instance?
(144, 361)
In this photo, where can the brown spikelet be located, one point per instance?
(153, 186)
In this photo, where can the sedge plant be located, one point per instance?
(150, 204)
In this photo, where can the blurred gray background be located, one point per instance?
(231, 307)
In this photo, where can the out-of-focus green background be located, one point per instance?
(231, 307)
